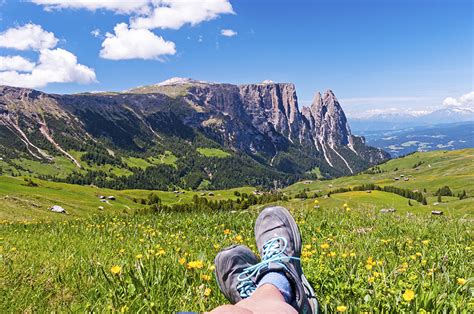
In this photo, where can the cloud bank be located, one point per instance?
(129, 43)
(146, 15)
(53, 65)
(15, 63)
(465, 101)
(27, 37)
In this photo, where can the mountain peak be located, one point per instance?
(329, 95)
(317, 100)
(180, 81)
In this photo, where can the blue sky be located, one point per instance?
(410, 55)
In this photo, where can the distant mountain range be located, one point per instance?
(401, 120)
(217, 135)
(423, 138)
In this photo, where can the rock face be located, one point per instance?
(262, 121)
(272, 123)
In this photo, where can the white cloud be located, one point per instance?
(117, 6)
(150, 14)
(465, 101)
(29, 36)
(450, 101)
(129, 43)
(176, 13)
(95, 32)
(15, 63)
(228, 32)
(54, 66)
(137, 41)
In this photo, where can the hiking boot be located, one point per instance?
(279, 244)
(234, 282)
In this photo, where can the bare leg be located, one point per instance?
(266, 299)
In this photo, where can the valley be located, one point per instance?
(403, 141)
(425, 172)
(355, 255)
(180, 133)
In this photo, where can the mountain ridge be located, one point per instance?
(261, 125)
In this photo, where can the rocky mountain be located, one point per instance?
(400, 120)
(118, 139)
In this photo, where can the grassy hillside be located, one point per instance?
(212, 152)
(114, 260)
(19, 202)
(426, 171)
(433, 170)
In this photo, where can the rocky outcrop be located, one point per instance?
(262, 120)
(272, 122)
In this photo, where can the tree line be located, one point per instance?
(198, 203)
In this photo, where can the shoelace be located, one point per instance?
(273, 252)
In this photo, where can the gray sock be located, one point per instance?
(279, 280)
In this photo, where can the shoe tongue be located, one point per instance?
(275, 249)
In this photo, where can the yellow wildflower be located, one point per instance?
(325, 246)
(425, 242)
(370, 263)
(461, 281)
(238, 238)
(139, 256)
(195, 264)
(205, 277)
(207, 292)
(408, 295)
(182, 260)
(341, 308)
(227, 231)
(116, 269)
(212, 268)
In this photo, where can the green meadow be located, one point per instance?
(118, 259)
